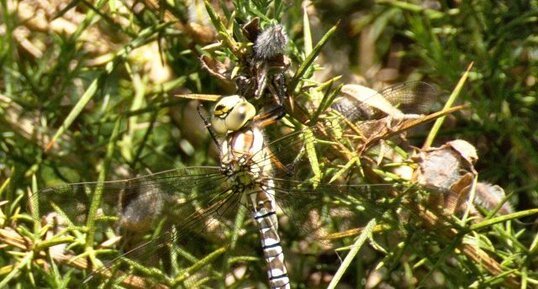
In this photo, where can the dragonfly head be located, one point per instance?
(231, 113)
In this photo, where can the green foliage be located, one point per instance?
(88, 91)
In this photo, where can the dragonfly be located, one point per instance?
(259, 174)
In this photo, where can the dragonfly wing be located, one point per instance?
(189, 199)
(310, 179)
(413, 97)
(409, 98)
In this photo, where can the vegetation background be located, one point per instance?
(71, 69)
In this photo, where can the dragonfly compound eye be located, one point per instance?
(231, 113)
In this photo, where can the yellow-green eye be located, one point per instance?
(231, 113)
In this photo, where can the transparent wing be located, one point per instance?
(416, 97)
(316, 169)
(335, 169)
(174, 206)
(141, 199)
(412, 97)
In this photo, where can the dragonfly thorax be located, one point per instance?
(243, 156)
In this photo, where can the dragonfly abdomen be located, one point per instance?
(272, 249)
(264, 213)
